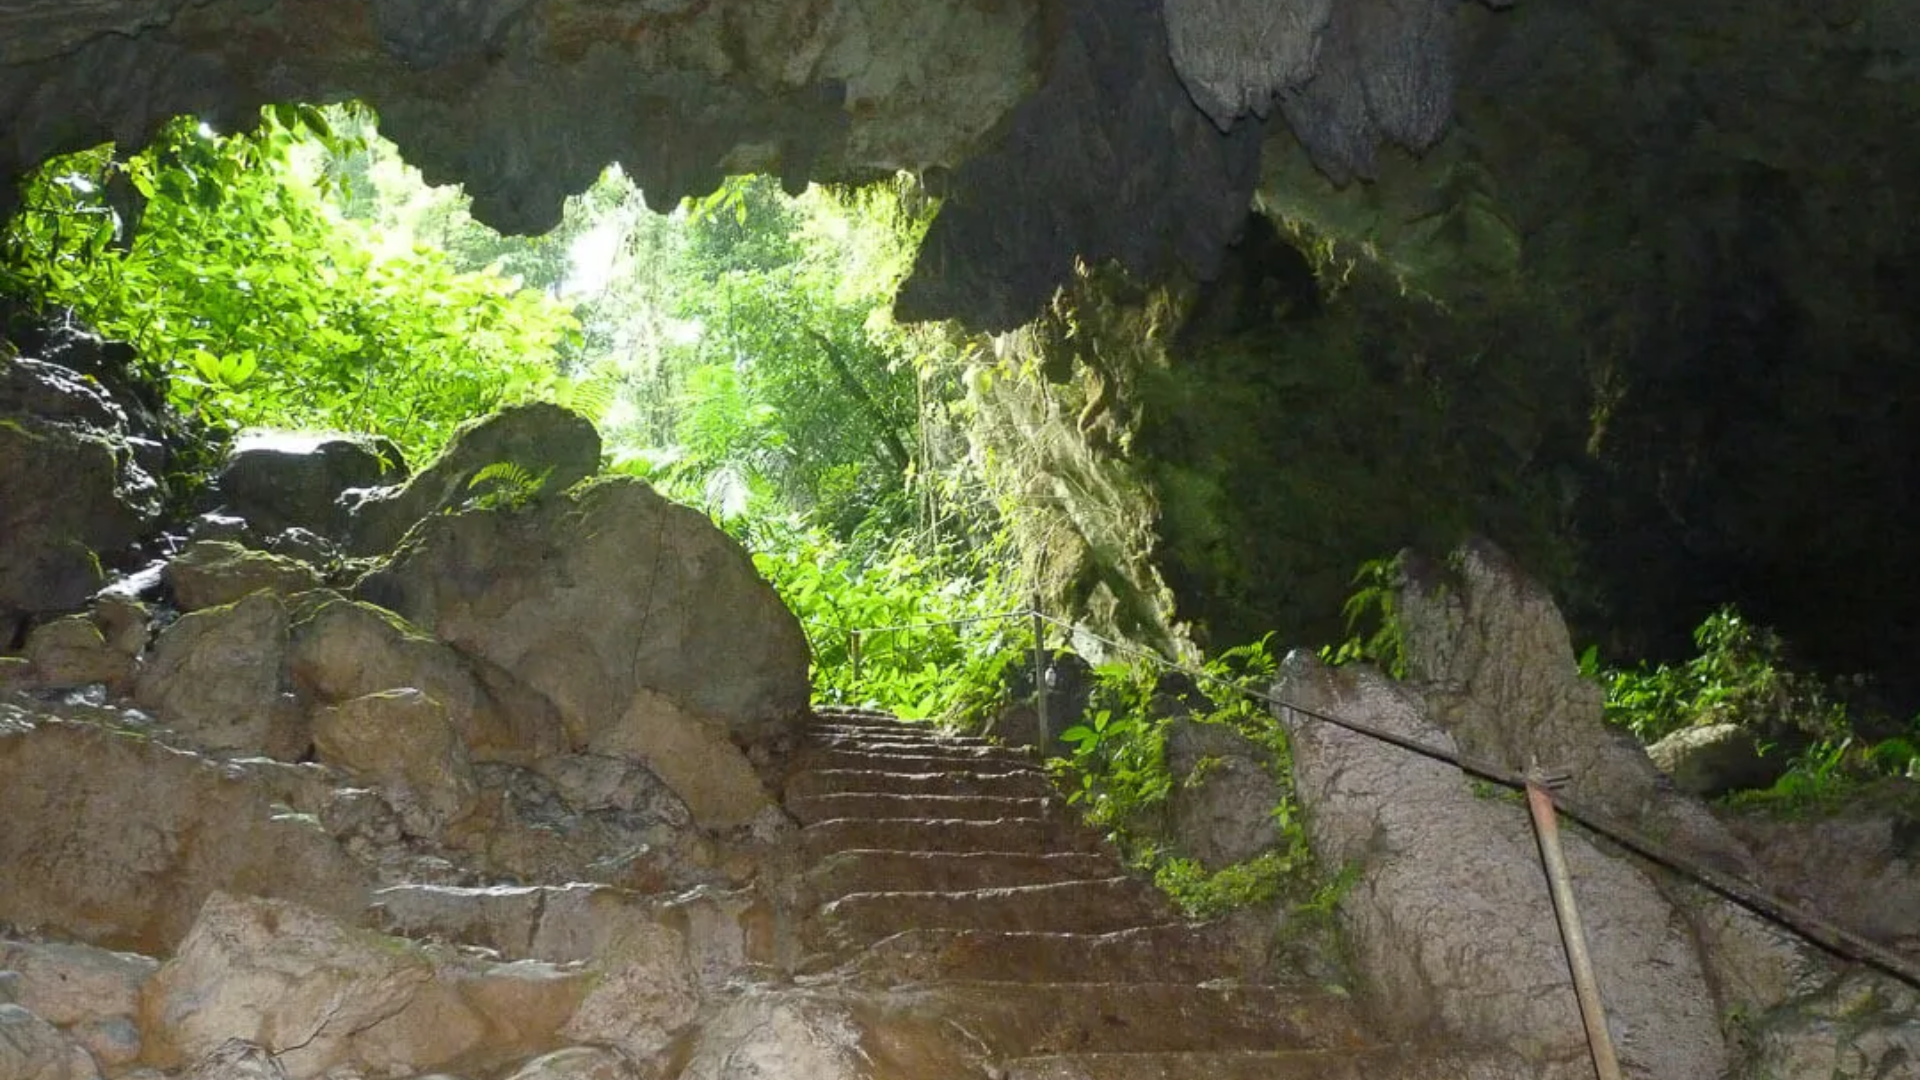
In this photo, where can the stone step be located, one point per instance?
(1023, 1019)
(857, 804)
(897, 760)
(936, 749)
(896, 733)
(1388, 1063)
(1093, 907)
(936, 871)
(1173, 951)
(1030, 835)
(1023, 783)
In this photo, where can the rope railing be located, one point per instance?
(1793, 917)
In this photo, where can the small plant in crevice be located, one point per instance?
(1118, 776)
(507, 485)
(1373, 620)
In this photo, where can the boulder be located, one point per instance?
(342, 649)
(238, 1059)
(616, 605)
(213, 573)
(71, 504)
(320, 996)
(67, 984)
(780, 1036)
(645, 993)
(551, 445)
(1221, 808)
(692, 756)
(598, 594)
(1491, 647)
(1861, 1026)
(115, 839)
(279, 480)
(71, 651)
(218, 677)
(124, 623)
(1715, 759)
(32, 1049)
(1452, 923)
(579, 1063)
(403, 739)
(1858, 864)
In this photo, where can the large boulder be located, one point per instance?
(71, 651)
(219, 678)
(322, 995)
(211, 573)
(279, 480)
(32, 1049)
(74, 496)
(92, 994)
(115, 839)
(1490, 645)
(1714, 759)
(1451, 920)
(551, 448)
(403, 740)
(343, 649)
(1221, 808)
(632, 614)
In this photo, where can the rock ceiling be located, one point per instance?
(1057, 129)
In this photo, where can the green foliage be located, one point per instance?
(954, 673)
(258, 303)
(508, 485)
(1373, 623)
(1741, 676)
(1118, 775)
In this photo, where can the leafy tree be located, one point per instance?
(261, 304)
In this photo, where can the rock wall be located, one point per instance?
(1451, 920)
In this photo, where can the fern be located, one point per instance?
(511, 486)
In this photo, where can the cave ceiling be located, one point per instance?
(1055, 129)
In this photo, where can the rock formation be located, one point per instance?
(1451, 919)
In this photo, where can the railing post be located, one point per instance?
(1585, 987)
(853, 653)
(1042, 739)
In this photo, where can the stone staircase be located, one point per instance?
(948, 866)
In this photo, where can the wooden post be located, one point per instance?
(1585, 987)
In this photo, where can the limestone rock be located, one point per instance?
(219, 678)
(344, 650)
(238, 1059)
(120, 851)
(1108, 159)
(592, 782)
(1452, 922)
(1859, 867)
(578, 1063)
(71, 651)
(72, 499)
(1221, 807)
(123, 623)
(692, 755)
(645, 993)
(1234, 55)
(1491, 644)
(592, 597)
(68, 984)
(774, 1036)
(279, 480)
(1862, 1026)
(320, 995)
(1715, 759)
(32, 1049)
(403, 739)
(212, 573)
(556, 447)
